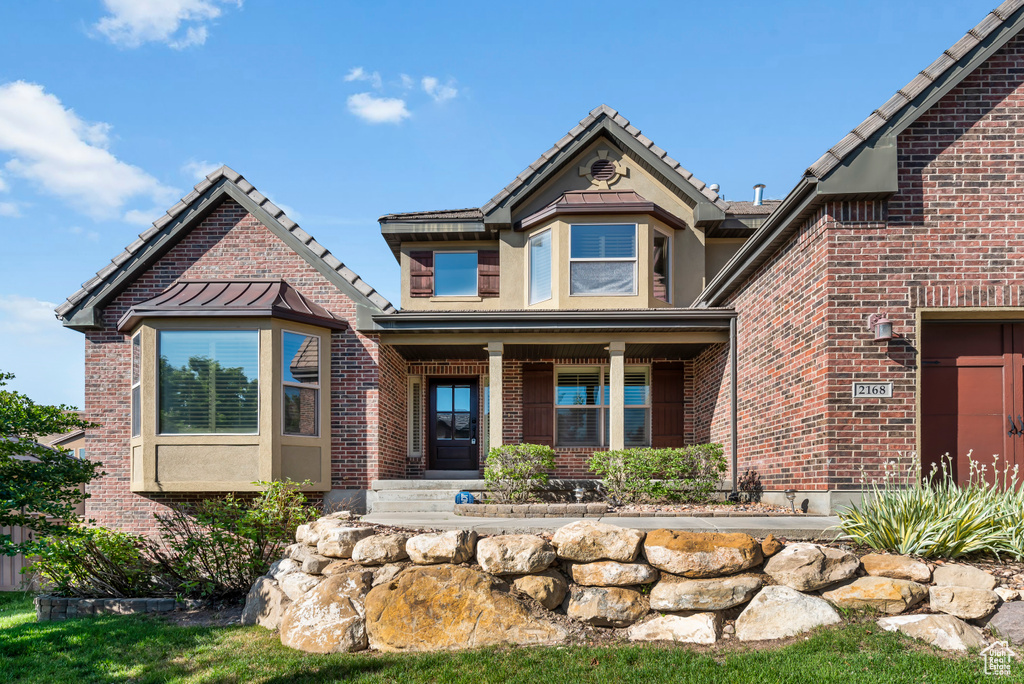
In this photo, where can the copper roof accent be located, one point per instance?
(598, 197)
(230, 298)
(577, 202)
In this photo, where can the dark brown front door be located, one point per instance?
(972, 395)
(453, 424)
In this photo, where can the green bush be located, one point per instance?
(689, 473)
(516, 471)
(93, 561)
(936, 518)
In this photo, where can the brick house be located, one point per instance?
(605, 298)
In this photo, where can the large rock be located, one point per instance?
(778, 612)
(340, 566)
(884, 594)
(265, 604)
(943, 631)
(612, 574)
(966, 603)
(514, 554)
(607, 606)
(770, 546)
(963, 576)
(388, 572)
(331, 617)
(896, 567)
(548, 587)
(701, 554)
(295, 584)
(1008, 622)
(587, 540)
(339, 541)
(456, 546)
(701, 628)
(448, 607)
(380, 549)
(316, 529)
(808, 567)
(674, 593)
(285, 566)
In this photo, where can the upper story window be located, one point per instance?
(602, 259)
(209, 381)
(661, 267)
(540, 267)
(301, 383)
(455, 274)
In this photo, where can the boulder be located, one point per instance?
(265, 604)
(896, 567)
(1008, 622)
(514, 554)
(295, 584)
(607, 606)
(387, 573)
(884, 594)
(301, 532)
(701, 628)
(770, 546)
(942, 631)
(808, 567)
(587, 540)
(339, 566)
(966, 603)
(331, 617)
(701, 554)
(612, 574)
(674, 593)
(448, 607)
(548, 587)
(380, 549)
(456, 546)
(280, 568)
(314, 563)
(318, 527)
(338, 542)
(963, 576)
(778, 612)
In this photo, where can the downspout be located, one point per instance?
(733, 430)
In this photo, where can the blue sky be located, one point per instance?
(339, 112)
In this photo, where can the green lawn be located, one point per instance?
(141, 649)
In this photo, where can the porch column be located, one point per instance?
(617, 388)
(494, 357)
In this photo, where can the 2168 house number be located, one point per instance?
(872, 389)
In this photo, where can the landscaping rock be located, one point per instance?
(963, 576)
(966, 603)
(514, 554)
(587, 540)
(548, 587)
(380, 549)
(612, 574)
(942, 631)
(331, 617)
(808, 567)
(701, 554)
(295, 584)
(896, 567)
(339, 566)
(338, 542)
(314, 563)
(607, 606)
(884, 594)
(387, 573)
(265, 604)
(778, 612)
(702, 628)
(301, 532)
(280, 568)
(770, 546)
(1007, 594)
(448, 607)
(674, 593)
(456, 546)
(1008, 622)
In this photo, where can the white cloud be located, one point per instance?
(9, 209)
(199, 169)
(90, 235)
(142, 217)
(360, 74)
(3, 185)
(176, 23)
(373, 109)
(407, 81)
(289, 211)
(437, 90)
(47, 358)
(67, 157)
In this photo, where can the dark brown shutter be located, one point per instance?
(539, 403)
(667, 409)
(488, 273)
(421, 274)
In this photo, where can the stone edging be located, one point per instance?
(56, 608)
(598, 510)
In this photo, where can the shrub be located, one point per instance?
(673, 474)
(751, 487)
(515, 471)
(93, 561)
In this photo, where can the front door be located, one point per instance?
(453, 415)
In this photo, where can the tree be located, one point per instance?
(40, 486)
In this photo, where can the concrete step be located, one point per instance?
(417, 494)
(414, 506)
(455, 485)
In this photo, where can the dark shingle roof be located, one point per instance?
(751, 209)
(439, 215)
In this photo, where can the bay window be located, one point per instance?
(301, 383)
(661, 267)
(583, 403)
(137, 384)
(540, 267)
(602, 259)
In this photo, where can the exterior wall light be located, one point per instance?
(882, 326)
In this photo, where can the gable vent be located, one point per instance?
(602, 169)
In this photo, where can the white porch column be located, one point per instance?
(494, 357)
(617, 388)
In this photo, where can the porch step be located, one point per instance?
(414, 506)
(419, 496)
(457, 485)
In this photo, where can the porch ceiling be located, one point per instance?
(527, 352)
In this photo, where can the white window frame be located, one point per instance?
(669, 276)
(476, 281)
(635, 259)
(602, 408)
(529, 267)
(136, 383)
(317, 386)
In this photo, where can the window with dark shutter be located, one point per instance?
(538, 404)
(421, 274)
(667, 409)
(488, 272)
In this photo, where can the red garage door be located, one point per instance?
(972, 394)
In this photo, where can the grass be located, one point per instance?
(144, 649)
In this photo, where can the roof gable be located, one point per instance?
(81, 309)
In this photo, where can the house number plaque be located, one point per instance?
(872, 389)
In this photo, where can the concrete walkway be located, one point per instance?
(803, 527)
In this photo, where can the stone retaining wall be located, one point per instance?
(55, 608)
